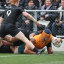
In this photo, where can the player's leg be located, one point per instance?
(28, 51)
(14, 49)
(22, 37)
(22, 49)
(18, 49)
(13, 30)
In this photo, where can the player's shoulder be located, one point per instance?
(37, 36)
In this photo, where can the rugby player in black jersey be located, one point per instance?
(8, 20)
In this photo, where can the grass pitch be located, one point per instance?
(56, 58)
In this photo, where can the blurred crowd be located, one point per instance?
(24, 3)
(55, 25)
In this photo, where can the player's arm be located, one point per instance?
(31, 18)
(35, 33)
(49, 49)
(31, 35)
(7, 43)
(1, 20)
(10, 38)
(2, 17)
(28, 51)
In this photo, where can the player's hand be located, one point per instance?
(46, 15)
(27, 22)
(41, 18)
(7, 43)
(58, 40)
(33, 40)
(58, 24)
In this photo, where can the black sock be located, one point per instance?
(35, 50)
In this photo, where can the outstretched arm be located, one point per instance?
(31, 18)
(49, 49)
(10, 38)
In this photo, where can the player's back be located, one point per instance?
(39, 43)
(11, 14)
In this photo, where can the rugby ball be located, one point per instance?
(56, 44)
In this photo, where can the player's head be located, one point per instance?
(46, 34)
(15, 2)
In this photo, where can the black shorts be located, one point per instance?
(21, 48)
(25, 32)
(8, 28)
(5, 49)
(18, 43)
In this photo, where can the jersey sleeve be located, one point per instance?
(49, 45)
(21, 9)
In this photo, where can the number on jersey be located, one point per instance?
(8, 12)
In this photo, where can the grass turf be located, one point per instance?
(56, 58)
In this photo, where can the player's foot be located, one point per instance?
(41, 51)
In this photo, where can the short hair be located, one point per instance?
(31, 0)
(14, 1)
(50, 0)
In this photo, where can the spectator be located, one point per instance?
(48, 16)
(26, 23)
(39, 3)
(56, 3)
(24, 3)
(7, 5)
(59, 24)
(3, 2)
(31, 6)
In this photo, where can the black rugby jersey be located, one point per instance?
(11, 14)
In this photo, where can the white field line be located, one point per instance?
(5, 56)
(52, 62)
(13, 55)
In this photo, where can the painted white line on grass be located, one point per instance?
(15, 55)
(52, 62)
(5, 56)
